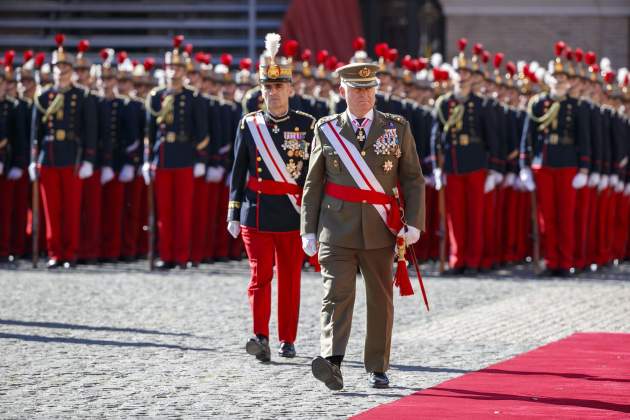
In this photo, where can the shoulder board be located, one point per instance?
(395, 117)
(306, 114)
(325, 119)
(242, 123)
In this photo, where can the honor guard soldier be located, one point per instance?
(270, 162)
(557, 132)
(64, 127)
(177, 128)
(465, 131)
(358, 161)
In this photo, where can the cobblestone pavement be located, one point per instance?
(120, 342)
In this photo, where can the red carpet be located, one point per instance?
(584, 376)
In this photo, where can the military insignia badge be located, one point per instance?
(388, 143)
(364, 72)
(294, 144)
(388, 165)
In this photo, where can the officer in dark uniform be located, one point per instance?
(557, 132)
(465, 130)
(178, 130)
(64, 127)
(270, 164)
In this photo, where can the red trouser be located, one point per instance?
(502, 220)
(285, 248)
(602, 253)
(200, 216)
(592, 226)
(41, 223)
(174, 194)
(464, 215)
(428, 245)
(556, 209)
(143, 232)
(90, 236)
(6, 197)
(222, 244)
(61, 194)
(112, 218)
(214, 224)
(132, 219)
(511, 225)
(524, 243)
(621, 226)
(582, 217)
(18, 210)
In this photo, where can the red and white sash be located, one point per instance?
(270, 155)
(356, 165)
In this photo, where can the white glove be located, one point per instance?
(613, 180)
(309, 244)
(593, 179)
(126, 174)
(509, 179)
(15, 173)
(215, 174)
(603, 183)
(107, 174)
(579, 180)
(32, 171)
(429, 181)
(619, 186)
(439, 179)
(498, 177)
(234, 228)
(199, 170)
(86, 170)
(410, 233)
(491, 182)
(527, 179)
(626, 192)
(146, 173)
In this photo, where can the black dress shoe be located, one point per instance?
(328, 373)
(127, 259)
(286, 349)
(547, 272)
(259, 347)
(164, 265)
(472, 272)
(454, 272)
(53, 264)
(378, 380)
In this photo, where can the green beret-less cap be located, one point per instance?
(359, 75)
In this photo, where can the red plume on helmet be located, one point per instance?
(461, 44)
(59, 39)
(511, 68)
(595, 67)
(406, 60)
(423, 63)
(39, 59)
(226, 59)
(478, 49)
(134, 62)
(498, 59)
(590, 58)
(83, 46)
(177, 40)
(188, 48)
(438, 75)
(485, 56)
(245, 63)
(609, 77)
(321, 57)
(148, 63)
(526, 71)
(104, 54)
(381, 49)
(559, 48)
(568, 53)
(392, 54)
(331, 63)
(200, 57)
(28, 54)
(306, 54)
(358, 44)
(290, 48)
(121, 57)
(9, 56)
(579, 54)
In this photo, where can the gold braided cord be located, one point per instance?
(168, 104)
(438, 107)
(550, 116)
(455, 118)
(54, 106)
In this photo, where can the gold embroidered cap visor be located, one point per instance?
(359, 75)
(274, 72)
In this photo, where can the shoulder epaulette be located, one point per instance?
(242, 123)
(398, 118)
(306, 114)
(325, 119)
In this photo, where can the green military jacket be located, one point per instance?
(358, 225)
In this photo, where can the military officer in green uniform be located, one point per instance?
(348, 208)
